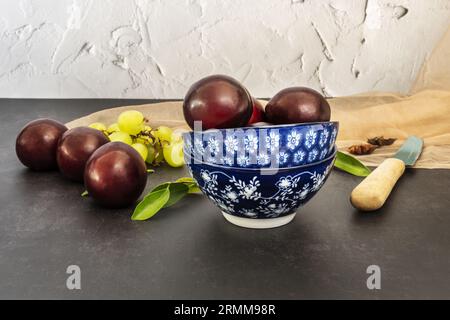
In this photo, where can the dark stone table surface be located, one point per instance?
(189, 251)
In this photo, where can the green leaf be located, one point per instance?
(161, 186)
(187, 180)
(164, 196)
(351, 165)
(177, 192)
(151, 204)
(85, 193)
(193, 188)
(191, 183)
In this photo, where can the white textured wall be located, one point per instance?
(156, 49)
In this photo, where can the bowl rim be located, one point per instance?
(333, 155)
(298, 124)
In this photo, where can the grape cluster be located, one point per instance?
(154, 145)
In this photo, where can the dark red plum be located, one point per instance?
(219, 102)
(115, 175)
(74, 149)
(37, 142)
(297, 105)
(258, 114)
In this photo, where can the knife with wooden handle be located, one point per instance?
(373, 191)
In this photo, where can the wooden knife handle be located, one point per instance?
(373, 191)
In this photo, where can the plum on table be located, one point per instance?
(37, 142)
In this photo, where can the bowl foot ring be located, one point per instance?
(259, 223)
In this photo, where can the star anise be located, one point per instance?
(361, 149)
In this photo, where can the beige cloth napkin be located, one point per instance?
(424, 113)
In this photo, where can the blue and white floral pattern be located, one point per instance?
(323, 138)
(246, 193)
(310, 139)
(231, 144)
(198, 145)
(263, 147)
(299, 157)
(228, 161)
(334, 134)
(313, 155)
(282, 158)
(323, 154)
(213, 145)
(243, 161)
(273, 141)
(293, 139)
(263, 159)
(251, 143)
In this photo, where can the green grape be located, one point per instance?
(173, 154)
(113, 128)
(163, 133)
(147, 128)
(98, 126)
(121, 137)
(131, 122)
(141, 149)
(151, 153)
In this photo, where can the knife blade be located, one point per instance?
(410, 150)
(373, 191)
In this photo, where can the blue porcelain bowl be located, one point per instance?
(261, 198)
(281, 146)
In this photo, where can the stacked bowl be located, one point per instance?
(260, 176)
